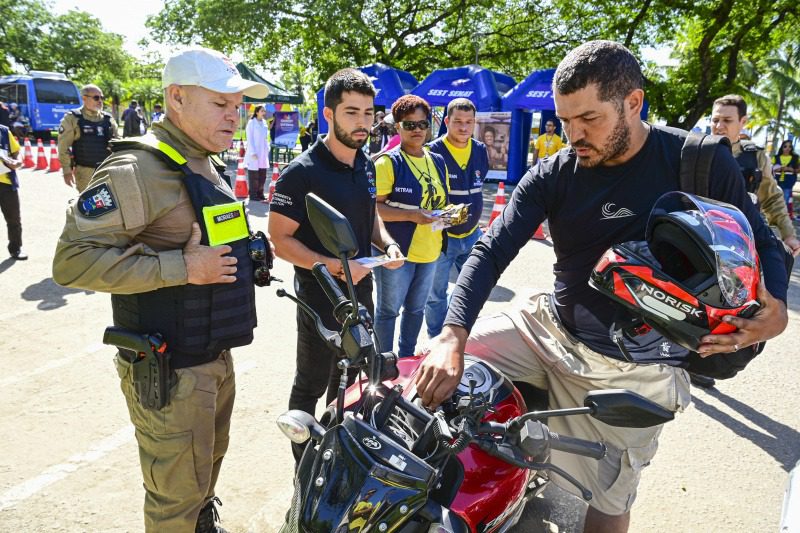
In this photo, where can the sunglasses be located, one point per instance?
(411, 125)
(259, 251)
(95, 97)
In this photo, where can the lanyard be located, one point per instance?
(425, 175)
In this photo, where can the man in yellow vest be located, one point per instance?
(548, 143)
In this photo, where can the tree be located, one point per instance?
(73, 43)
(710, 39)
(714, 39)
(78, 47)
(322, 37)
(777, 92)
(23, 26)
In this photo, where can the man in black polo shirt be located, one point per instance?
(336, 169)
(595, 195)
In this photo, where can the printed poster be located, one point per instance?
(287, 128)
(494, 130)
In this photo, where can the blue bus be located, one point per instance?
(43, 97)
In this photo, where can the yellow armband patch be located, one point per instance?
(225, 223)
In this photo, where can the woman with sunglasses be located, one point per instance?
(785, 167)
(412, 183)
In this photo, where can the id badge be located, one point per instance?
(225, 223)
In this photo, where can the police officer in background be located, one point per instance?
(728, 118)
(161, 230)
(83, 138)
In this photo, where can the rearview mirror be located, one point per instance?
(626, 409)
(331, 227)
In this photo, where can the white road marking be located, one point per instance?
(52, 365)
(56, 473)
(26, 489)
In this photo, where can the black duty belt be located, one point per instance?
(179, 360)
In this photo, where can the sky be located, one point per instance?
(122, 17)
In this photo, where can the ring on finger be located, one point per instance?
(735, 347)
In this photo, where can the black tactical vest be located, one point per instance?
(91, 148)
(197, 321)
(748, 163)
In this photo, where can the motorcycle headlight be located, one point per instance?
(300, 426)
(293, 429)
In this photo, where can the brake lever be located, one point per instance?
(510, 454)
(331, 337)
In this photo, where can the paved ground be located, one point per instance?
(69, 461)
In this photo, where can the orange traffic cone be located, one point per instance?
(55, 164)
(241, 190)
(41, 159)
(241, 148)
(27, 162)
(499, 202)
(275, 175)
(539, 235)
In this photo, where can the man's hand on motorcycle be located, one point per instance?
(768, 322)
(440, 372)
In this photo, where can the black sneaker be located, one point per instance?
(19, 255)
(208, 520)
(699, 380)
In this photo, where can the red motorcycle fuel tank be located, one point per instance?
(492, 489)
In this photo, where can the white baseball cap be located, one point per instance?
(211, 70)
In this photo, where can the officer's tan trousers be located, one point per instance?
(83, 175)
(181, 446)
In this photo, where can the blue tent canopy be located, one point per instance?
(532, 93)
(390, 84)
(484, 87)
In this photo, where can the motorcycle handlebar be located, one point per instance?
(341, 305)
(595, 450)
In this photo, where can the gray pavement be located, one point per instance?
(69, 461)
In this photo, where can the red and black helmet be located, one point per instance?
(697, 265)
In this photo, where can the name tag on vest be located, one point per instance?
(225, 223)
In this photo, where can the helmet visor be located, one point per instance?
(727, 233)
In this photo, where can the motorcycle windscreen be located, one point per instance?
(363, 481)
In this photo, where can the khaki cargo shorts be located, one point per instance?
(529, 344)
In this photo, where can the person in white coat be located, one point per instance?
(257, 152)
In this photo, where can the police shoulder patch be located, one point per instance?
(97, 201)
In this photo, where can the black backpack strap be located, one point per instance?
(697, 155)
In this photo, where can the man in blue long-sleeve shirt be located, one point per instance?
(596, 194)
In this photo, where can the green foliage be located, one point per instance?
(715, 40)
(778, 91)
(73, 43)
(711, 39)
(23, 26)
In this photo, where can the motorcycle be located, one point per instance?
(378, 461)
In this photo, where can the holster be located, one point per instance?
(152, 380)
(149, 359)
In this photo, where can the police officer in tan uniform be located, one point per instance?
(728, 118)
(83, 138)
(160, 229)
